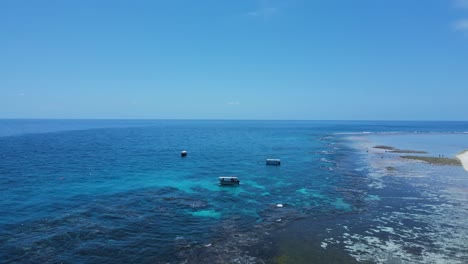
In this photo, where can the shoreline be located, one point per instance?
(391, 159)
(463, 157)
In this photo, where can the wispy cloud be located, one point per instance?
(461, 25)
(461, 3)
(233, 103)
(264, 12)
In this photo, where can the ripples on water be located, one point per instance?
(124, 194)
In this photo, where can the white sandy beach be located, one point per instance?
(463, 157)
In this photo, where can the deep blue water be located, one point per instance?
(108, 191)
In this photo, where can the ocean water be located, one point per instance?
(117, 191)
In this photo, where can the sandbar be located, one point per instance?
(402, 151)
(436, 160)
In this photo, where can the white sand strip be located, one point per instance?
(463, 157)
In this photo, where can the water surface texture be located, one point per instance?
(107, 191)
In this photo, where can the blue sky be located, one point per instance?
(244, 59)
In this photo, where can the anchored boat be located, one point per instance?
(229, 180)
(276, 162)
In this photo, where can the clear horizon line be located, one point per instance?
(234, 119)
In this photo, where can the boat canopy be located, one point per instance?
(227, 178)
(273, 161)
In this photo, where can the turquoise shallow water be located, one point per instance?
(106, 191)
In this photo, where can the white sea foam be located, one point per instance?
(463, 157)
(438, 230)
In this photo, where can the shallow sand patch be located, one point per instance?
(435, 160)
(395, 150)
(463, 157)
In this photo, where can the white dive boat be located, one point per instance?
(228, 180)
